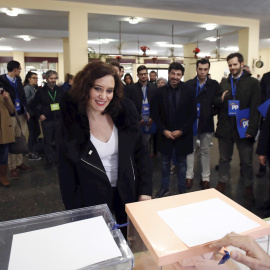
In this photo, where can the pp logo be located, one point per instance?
(244, 123)
(234, 106)
(198, 109)
(145, 108)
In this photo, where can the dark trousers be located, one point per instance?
(34, 132)
(51, 131)
(4, 154)
(245, 150)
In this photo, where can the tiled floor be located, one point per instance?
(37, 192)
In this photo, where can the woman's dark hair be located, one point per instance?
(85, 79)
(68, 77)
(128, 75)
(27, 77)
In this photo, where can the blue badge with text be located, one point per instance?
(242, 120)
(17, 104)
(233, 107)
(198, 109)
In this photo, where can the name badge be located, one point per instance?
(55, 107)
(17, 104)
(233, 107)
(145, 112)
(198, 109)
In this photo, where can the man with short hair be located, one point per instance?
(174, 112)
(122, 71)
(142, 94)
(205, 90)
(47, 108)
(238, 92)
(153, 77)
(117, 68)
(12, 84)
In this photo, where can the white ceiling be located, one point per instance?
(49, 27)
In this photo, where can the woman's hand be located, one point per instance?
(144, 198)
(5, 95)
(256, 258)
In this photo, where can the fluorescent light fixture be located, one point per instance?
(100, 41)
(168, 45)
(6, 48)
(12, 12)
(26, 38)
(105, 40)
(94, 42)
(133, 20)
(210, 26)
(231, 49)
(212, 39)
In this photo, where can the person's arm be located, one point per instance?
(8, 102)
(255, 258)
(263, 141)
(67, 180)
(254, 115)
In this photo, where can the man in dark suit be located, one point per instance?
(142, 94)
(174, 112)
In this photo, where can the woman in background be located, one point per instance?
(102, 159)
(128, 79)
(30, 87)
(6, 134)
(68, 82)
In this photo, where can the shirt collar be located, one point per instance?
(11, 79)
(203, 82)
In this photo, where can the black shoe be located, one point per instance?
(162, 192)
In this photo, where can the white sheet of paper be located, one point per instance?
(199, 223)
(70, 246)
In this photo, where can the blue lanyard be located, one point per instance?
(234, 87)
(145, 96)
(198, 88)
(15, 86)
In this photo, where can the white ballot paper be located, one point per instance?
(70, 246)
(202, 222)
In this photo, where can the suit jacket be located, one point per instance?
(248, 92)
(186, 113)
(206, 99)
(83, 179)
(20, 93)
(136, 96)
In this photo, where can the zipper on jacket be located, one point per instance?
(93, 166)
(132, 168)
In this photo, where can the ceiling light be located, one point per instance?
(133, 20)
(231, 48)
(26, 38)
(6, 48)
(210, 27)
(212, 39)
(12, 12)
(94, 42)
(170, 45)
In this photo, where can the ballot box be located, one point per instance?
(83, 238)
(175, 232)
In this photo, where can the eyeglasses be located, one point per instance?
(142, 74)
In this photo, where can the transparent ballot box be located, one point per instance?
(24, 229)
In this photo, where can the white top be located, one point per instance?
(108, 153)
